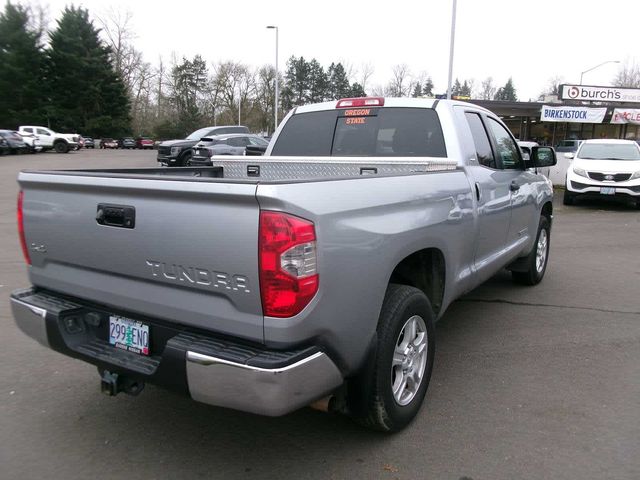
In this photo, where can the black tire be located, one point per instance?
(568, 198)
(185, 159)
(61, 147)
(534, 274)
(371, 399)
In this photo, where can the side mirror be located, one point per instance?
(543, 156)
(569, 155)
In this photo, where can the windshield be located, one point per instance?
(198, 134)
(258, 141)
(609, 151)
(375, 132)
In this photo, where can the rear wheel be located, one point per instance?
(536, 262)
(389, 392)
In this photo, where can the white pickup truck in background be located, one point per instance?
(48, 139)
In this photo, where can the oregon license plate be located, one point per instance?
(607, 190)
(129, 335)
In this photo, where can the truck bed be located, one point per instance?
(274, 169)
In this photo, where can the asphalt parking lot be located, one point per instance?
(528, 383)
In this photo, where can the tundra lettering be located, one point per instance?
(200, 276)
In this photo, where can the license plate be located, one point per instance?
(607, 190)
(129, 335)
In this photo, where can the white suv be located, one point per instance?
(604, 168)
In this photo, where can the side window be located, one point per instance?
(237, 142)
(43, 132)
(481, 140)
(508, 151)
(28, 130)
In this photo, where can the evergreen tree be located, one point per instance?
(86, 94)
(456, 89)
(417, 90)
(465, 90)
(357, 91)
(189, 83)
(427, 89)
(508, 92)
(296, 83)
(21, 69)
(318, 82)
(338, 82)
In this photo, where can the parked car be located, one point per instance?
(604, 169)
(88, 142)
(32, 141)
(316, 271)
(60, 142)
(144, 143)
(4, 146)
(177, 153)
(127, 142)
(108, 143)
(231, 144)
(14, 141)
(568, 146)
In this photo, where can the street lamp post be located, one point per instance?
(453, 36)
(597, 66)
(275, 102)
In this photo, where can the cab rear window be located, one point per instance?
(371, 132)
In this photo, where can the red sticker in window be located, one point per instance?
(357, 112)
(355, 121)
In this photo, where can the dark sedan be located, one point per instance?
(127, 142)
(13, 142)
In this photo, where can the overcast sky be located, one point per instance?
(531, 41)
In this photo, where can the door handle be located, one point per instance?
(122, 216)
(514, 187)
(477, 191)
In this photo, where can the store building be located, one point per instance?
(581, 112)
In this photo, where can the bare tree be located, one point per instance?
(366, 70)
(488, 89)
(553, 87)
(400, 83)
(628, 75)
(234, 85)
(118, 32)
(350, 71)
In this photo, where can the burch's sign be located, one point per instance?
(599, 94)
(626, 115)
(572, 114)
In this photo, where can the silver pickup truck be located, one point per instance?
(313, 274)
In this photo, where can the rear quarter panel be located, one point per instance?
(364, 228)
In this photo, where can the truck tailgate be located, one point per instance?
(189, 256)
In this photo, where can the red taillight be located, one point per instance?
(288, 275)
(360, 102)
(23, 242)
